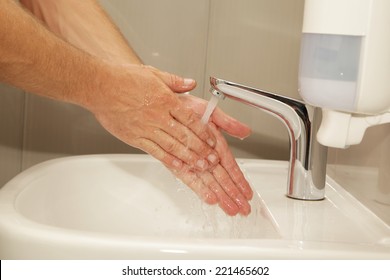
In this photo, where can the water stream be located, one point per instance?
(210, 109)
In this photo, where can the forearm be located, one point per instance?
(85, 25)
(133, 102)
(43, 64)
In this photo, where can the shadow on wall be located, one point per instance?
(11, 131)
(64, 129)
(271, 148)
(71, 130)
(11, 117)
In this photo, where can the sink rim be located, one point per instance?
(14, 221)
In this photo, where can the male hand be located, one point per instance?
(224, 184)
(137, 107)
(147, 114)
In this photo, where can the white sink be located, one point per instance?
(130, 206)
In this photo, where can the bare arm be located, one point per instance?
(35, 60)
(130, 101)
(126, 100)
(85, 25)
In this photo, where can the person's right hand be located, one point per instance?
(137, 107)
(145, 113)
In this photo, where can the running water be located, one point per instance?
(210, 109)
(202, 220)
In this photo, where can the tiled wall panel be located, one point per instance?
(256, 43)
(11, 127)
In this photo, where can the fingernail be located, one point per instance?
(211, 142)
(245, 211)
(177, 163)
(209, 197)
(202, 164)
(212, 158)
(188, 82)
(230, 208)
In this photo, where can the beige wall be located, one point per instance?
(254, 42)
(11, 132)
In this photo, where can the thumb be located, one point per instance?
(174, 82)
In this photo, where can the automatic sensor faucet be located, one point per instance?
(307, 166)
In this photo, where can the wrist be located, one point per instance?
(108, 83)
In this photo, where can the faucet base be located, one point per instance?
(305, 199)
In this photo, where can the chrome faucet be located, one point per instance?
(307, 166)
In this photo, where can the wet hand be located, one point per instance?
(137, 107)
(225, 184)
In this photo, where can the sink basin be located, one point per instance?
(131, 207)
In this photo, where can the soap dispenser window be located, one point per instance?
(329, 70)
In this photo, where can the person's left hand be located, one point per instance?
(224, 184)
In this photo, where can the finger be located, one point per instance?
(174, 82)
(157, 152)
(192, 149)
(229, 163)
(229, 187)
(190, 119)
(192, 180)
(208, 188)
(229, 124)
(174, 147)
(239, 180)
(224, 201)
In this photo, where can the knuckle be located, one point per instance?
(227, 185)
(171, 146)
(215, 188)
(204, 149)
(183, 138)
(153, 150)
(191, 118)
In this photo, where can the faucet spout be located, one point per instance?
(307, 167)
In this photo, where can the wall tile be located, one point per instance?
(11, 128)
(54, 129)
(364, 170)
(383, 190)
(170, 34)
(256, 43)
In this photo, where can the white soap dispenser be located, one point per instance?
(345, 66)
